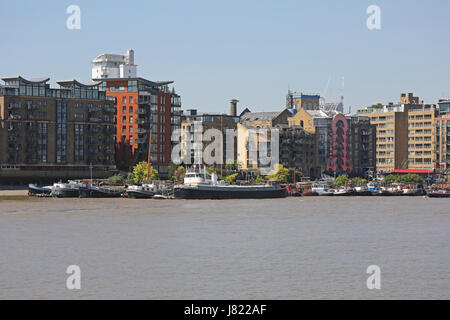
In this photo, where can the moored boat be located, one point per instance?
(196, 186)
(100, 192)
(144, 191)
(344, 192)
(67, 190)
(35, 191)
(322, 191)
(439, 194)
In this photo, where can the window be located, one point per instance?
(124, 100)
(131, 99)
(131, 139)
(124, 109)
(131, 109)
(131, 129)
(124, 129)
(131, 119)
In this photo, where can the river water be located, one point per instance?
(295, 248)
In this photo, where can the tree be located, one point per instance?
(179, 174)
(341, 180)
(140, 172)
(231, 178)
(172, 168)
(280, 173)
(117, 179)
(404, 179)
(358, 181)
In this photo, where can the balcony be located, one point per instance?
(93, 119)
(14, 106)
(15, 116)
(109, 109)
(141, 111)
(94, 109)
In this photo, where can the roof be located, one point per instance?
(261, 116)
(317, 114)
(32, 81)
(412, 171)
(66, 83)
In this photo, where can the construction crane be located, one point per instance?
(332, 106)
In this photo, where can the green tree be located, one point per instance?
(280, 173)
(390, 179)
(172, 168)
(358, 181)
(341, 180)
(231, 178)
(117, 178)
(179, 174)
(140, 172)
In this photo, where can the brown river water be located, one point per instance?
(295, 248)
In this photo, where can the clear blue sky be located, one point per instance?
(250, 50)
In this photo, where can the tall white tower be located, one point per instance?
(112, 66)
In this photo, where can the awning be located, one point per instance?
(412, 171)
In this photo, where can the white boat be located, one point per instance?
(322, 191)
(343, 192)
(144, 191)
(67, 190)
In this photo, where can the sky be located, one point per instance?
(250, 50)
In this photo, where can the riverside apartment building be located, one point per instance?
(48, 134)
(144, 109)
(405, 135)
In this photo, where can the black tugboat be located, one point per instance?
(197, 186)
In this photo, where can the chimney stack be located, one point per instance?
(233, 107)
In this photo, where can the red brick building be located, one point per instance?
(143, 106)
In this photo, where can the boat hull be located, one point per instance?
(221, 193)
(438, 195)
(140, 194)
(34, 190)
(99, 193)
(66, 193)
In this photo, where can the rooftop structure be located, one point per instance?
(108, 65)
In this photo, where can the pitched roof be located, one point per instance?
(261, 116)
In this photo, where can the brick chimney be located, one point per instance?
(233, 107)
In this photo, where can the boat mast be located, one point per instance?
(149, 149)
